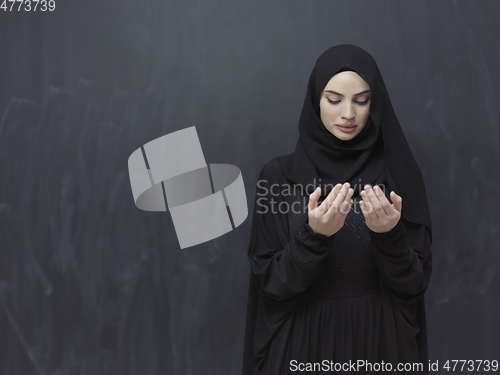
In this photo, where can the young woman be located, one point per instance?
(339, 265)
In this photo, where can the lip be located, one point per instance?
(347, 128)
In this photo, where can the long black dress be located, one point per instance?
(356, 295)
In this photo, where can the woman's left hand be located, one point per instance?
(380, 215)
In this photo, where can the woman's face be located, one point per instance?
(345, 100)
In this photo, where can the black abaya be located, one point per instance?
(373, 311)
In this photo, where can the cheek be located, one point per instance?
(329, 111)
(365, 112)
(329, 116)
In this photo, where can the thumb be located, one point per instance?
(398, 201)
(313, 199)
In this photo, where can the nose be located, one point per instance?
(348, 111)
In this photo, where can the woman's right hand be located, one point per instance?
(329, 216)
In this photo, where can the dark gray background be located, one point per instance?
(91, 285)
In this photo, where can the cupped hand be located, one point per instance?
(380, 215)
(329, 217)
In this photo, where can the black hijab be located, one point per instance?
(379, 154)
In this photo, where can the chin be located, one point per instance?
(343, 136)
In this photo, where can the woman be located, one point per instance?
(338, 267)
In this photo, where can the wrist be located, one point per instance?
(321, 235)
(396, 229)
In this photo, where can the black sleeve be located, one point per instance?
(284, 267)
(404, 259)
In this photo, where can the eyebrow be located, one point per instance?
(359, 93)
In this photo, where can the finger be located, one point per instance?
(398, 201)
(327, 203)
(369, 211)
(341, 196)
(366, 213)
(386, 205)
(333, 194)
(377, 207)
(337, 203)
(346, 204)
(313, 199)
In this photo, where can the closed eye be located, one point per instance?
(338, 101)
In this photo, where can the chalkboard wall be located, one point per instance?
(89, 284)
